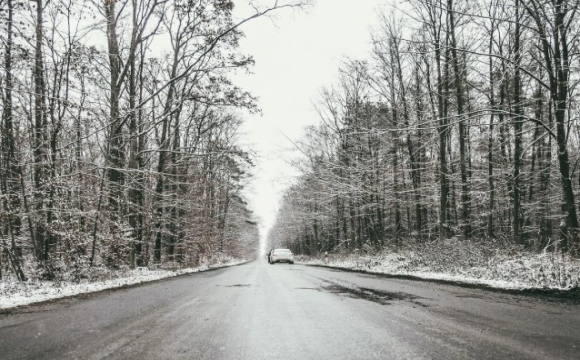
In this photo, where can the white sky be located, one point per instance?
(297, 54)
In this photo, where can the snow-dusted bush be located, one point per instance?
(507, 265)
(91, 279)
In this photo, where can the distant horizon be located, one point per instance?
(297, 54)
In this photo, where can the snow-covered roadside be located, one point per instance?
(14, 293)
(499, 270)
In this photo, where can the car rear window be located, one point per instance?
(282, 251)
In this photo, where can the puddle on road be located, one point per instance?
(239, 285)
(377, 296)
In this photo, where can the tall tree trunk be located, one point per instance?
(159, 188)
(463, 155)
(40, 153)
(395, 160)
(115, 155)
(175, 211)
(442, 131)
(135, 193)
(490, 174)
(163, 157)
(9, 168)
(518, 119)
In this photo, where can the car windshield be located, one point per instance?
(282, 251)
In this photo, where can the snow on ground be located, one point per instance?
(14, 293)
(452, 261)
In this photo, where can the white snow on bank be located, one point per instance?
(531, 271)
(14, 293)
(427, 275)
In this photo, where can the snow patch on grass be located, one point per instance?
(457, 261)
(14, 293)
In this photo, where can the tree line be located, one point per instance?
(119, 134)
(462, 122)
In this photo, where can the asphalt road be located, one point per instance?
(259, 311)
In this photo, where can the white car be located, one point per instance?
(281, 255)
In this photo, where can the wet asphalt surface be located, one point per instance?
(261, 311)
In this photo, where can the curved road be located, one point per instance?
(259, 311)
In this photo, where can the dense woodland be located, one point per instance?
(119, 134)
(462, 122)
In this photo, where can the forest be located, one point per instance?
(460, 124)
(119, 135)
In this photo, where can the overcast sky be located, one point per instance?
(297, 54)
